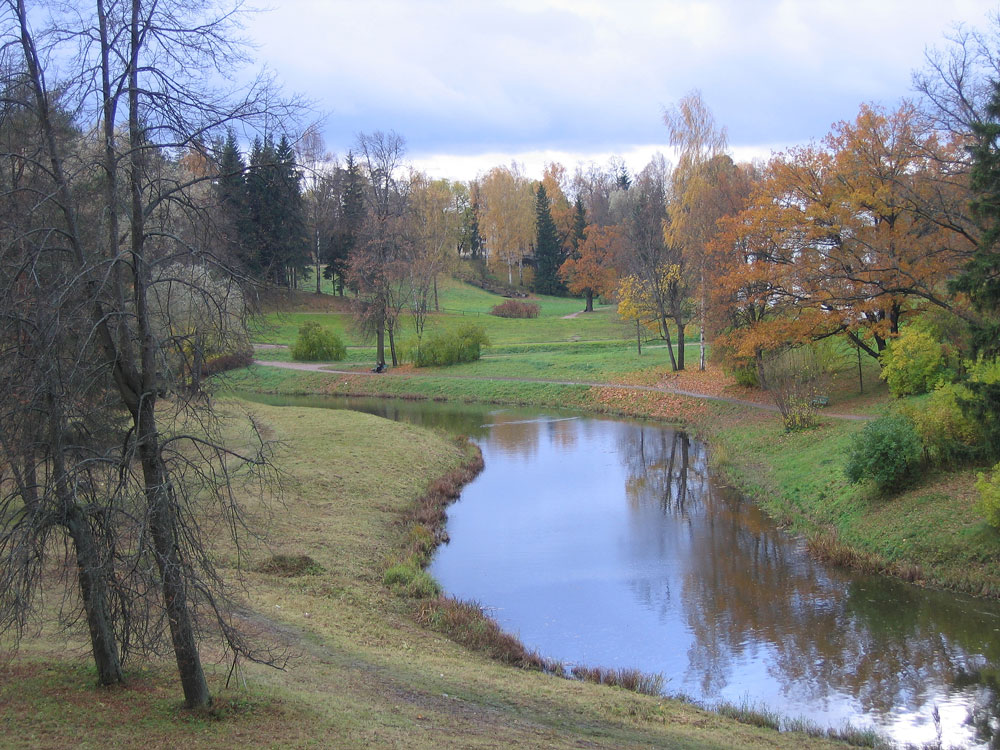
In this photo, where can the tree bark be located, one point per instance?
(680, 344)
(93, 591)
(590, 301)
(164, 533)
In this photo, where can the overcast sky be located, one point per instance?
(474, 83)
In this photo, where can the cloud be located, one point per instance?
(587, 76)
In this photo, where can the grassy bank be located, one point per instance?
(362, 672)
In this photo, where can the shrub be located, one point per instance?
(230, 361)
(316, 343)
(513, 308)
(913, 362)
(885, 451)
(442, 349)
(989, 496)
(946, 432)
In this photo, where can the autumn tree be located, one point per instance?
(436, 229)
(593, 269)
(653, 290)
(836, 241)
(700, 195)
(507, 219)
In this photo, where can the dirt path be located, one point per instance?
(313, 367)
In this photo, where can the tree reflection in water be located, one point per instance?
(750, 591)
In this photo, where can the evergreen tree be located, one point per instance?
(980, 278)
(275, 248)
(548, 251)
(290, 227)
(231, 196)
(352, 215)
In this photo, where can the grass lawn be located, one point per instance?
(361, 673)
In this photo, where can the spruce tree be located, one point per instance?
(548, 251)
(352, 214)
(231, 196)
(980, 278)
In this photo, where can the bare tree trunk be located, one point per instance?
(165, 537)
(680, 344)
(318, 274)
(665, 330)
(436, 308)
(93, 592)
(638, 336)
(392, 347)
(380, 344)
(702, 303)
(590, 301)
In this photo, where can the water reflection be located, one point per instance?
(609, 543)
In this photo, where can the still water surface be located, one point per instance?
(608, 543)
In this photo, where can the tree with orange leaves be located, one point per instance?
(840, 237)
(594, 271)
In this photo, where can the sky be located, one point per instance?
(476, 83)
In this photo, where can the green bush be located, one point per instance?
(989, 496)
(885, 452)
(913, 362)
(316, 344)
(463, 345)
(946, 432)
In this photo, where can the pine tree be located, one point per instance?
(980, 278)
(231, 196)
(352, 214)
(548, 252)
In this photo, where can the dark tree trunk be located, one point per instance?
(392, 348)
(680, 344)
(665, 329)
(590, 301)
(638, 337)
(436, 307)
(164, 533)
(380, 345)
(93, 591)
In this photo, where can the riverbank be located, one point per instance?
(362, 673)
(930, 533)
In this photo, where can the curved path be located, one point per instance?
(319, 367)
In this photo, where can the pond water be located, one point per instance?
(609, 543)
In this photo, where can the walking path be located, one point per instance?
(319, 367)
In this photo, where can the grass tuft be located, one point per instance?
(466, 623)
(628, 679)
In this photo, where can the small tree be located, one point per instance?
(794, 378)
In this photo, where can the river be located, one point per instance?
(609, 543)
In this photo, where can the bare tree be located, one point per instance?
(143, 63)
(378, 263)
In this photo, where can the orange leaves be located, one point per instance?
(840, 236)
(595, 268)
